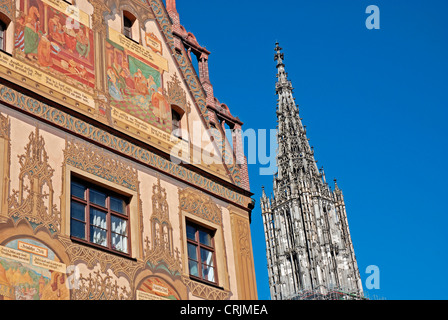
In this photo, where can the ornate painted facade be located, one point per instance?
(308, 244)
(101, 177)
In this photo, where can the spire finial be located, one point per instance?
(336, 187)
(278, 55)
(277, 47)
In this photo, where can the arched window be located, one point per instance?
(177, 126)
(2, 36)
(228, 128)
(130, 26)
(5, 34)
(176, 120)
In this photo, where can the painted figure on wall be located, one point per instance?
(161, 107)
(44, 52)
(31, 35)
(55, 29)
(47, 38)
(135, 86)
(19, 33)
(82, 44)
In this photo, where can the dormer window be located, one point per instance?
(6, 34)
(127, 27)
(130, 26)
(176, 117)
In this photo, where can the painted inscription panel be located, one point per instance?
(155, 288)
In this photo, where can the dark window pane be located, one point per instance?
(98, 236)
(127, 22)
(191, 231)
(77, 211)
(175, 122)
(207, 257)
(208, 273)
(127, 26)
(128, 32)
(117, 205)
(119, 243)
(193, 266)
(98, 197)
(2, 35)
(192, 252)
(78, 229)
(98, 218)
(205, 238)
(175, 116)
(78, 190)
(119, 226)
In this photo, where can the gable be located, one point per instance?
(129, 86)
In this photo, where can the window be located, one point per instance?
(99, 217)
(2, 36)
(130, 27)
(201, 253)
(176, 121)
(127, 25)
(228, 131)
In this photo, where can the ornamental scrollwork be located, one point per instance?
(200, 205)
(204, 291)
(101, 164)
(34, 199)
(160, 249)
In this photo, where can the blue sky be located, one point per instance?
(375, 106)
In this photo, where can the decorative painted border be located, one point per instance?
(190, 77)
(200, 205)
(7, 7)
(95, 161)
(184, 63)
(204, 291)
(104, 138)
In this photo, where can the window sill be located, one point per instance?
(101, 248)
(5, 52)
(129, 38)
(180, 138)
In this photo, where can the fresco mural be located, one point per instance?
(135, 86)
(48, 37)
(29, 270)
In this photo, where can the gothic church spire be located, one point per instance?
(295, 154)
(308, 244)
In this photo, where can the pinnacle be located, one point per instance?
(277, 47)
